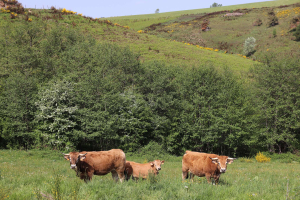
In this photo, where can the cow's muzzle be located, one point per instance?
(222, 170)
(73, 167)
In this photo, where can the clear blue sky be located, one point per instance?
(111, 8)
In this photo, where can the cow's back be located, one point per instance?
(198, 163)
(103, 162)
(138, 169)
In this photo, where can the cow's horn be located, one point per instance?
(65, 154)
(231, 158)
(214, 158)
(82, 154)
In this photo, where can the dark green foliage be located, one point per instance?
(283, 158)
(61, 90)
(278, 91)
(17, 110)
(215, 5)
(297, 33)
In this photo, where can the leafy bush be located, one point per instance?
(249, 46)
(297, 33)
(283, 157)
(260, 157)
(152, 151)
(215, 5)
(274, 32)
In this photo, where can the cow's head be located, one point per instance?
(74, 158)
(222, 162)
(157, 164)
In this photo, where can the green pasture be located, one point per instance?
(138, 22)
(46, 175)
(230, 33)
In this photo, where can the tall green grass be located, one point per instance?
(45, 174)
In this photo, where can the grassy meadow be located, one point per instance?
(46, 175)
(178, 40)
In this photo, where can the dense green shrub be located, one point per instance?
(297, 33)
(152, 151)
(278, 91)
(249, 46)
(284, 157)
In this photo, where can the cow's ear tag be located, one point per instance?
(67, 157)
(216, 163)
(82, 158)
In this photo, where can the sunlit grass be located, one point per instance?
(138, 22)
(32, 174)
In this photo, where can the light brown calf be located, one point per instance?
(137, 170)
(203, 164)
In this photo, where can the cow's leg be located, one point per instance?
(121, 175)
(216, 178)
(86, 176)
(192, 176)
(208, 176)
(135, 178)
(115, 175)
(184, 175)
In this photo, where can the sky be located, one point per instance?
(113, 8)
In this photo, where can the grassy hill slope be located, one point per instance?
(150, 47)
(176, 38)
(138, 22)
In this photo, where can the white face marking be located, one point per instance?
(157, 167)
(73, 166)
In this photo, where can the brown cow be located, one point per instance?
(137, 170)
(203, 164)
(88, 163)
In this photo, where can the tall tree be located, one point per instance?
(56, 112)
(279, 91)
(17, 110)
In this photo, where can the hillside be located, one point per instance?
(139, 22)
(163, 36)
(148, 46)
(68, 81)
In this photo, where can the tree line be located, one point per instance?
(61, 89)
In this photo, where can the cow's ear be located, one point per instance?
(214, 160)
(67, 156)
(230, 160)
(151, 164)
(162, 162)
(82, 156)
